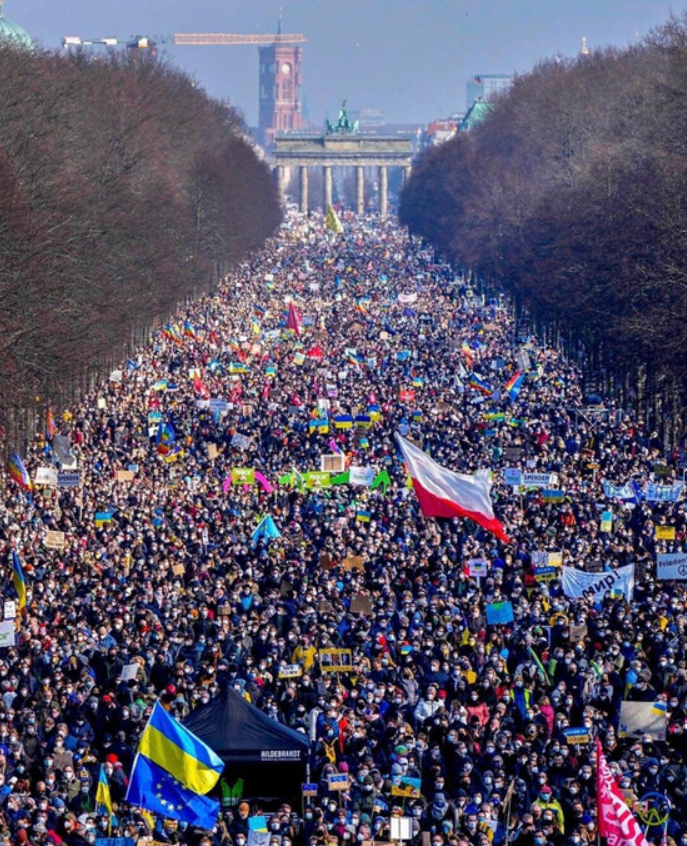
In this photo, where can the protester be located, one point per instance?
(163, 589)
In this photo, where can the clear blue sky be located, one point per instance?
(410, 58)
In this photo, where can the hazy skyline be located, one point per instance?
(409, 58)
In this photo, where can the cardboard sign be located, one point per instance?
(577, 633)
(512, 453)
(354, 562)
(54, 540)
(361, 605)
(309, 789)
(212, 452)
(178, 569)
(326, 562)
(125, 475)
(332, 463)
(335, 660)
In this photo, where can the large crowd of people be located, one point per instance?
(445, 716)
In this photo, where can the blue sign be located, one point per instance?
(499, 613)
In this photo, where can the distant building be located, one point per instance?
(280, 91)
(440, 131)
(484, 86)
(369, 118)
(12, 32)
(476, 113)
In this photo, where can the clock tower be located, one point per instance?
(280, 91)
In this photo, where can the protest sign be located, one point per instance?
(512, 476)
(665, 532)
(315, 480)
(499, 613)
(671, 565)
(54, 540)
(125, 475)
(640, 718)
(68, 479)
(129, 672)
(334, 463)
(575, 734)
(361, 605)
(241, 441)
(353, 562)
(7, 634)
(212, 452)
(539, 480)
(578, 582)
(10, 609)
(310, 789)
(361, 475)
(290, 671)
(337, 781)
(243, 476)
(335, 660)
(478, 567)
(46, 476)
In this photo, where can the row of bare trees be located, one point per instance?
(123, 189)
(573, 193)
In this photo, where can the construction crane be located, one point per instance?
(188, 39)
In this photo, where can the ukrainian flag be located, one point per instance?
(151, 787)
(363, 516)
(102, 518)
(103, 797)
(19, 580)
(174, 748)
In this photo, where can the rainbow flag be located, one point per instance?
(189, 330)
(50, 428)
(19, 580)
(18, 472)
(514, 385)
(173, 332)
(480, 385)
(469, 355)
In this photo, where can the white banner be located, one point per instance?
(576, 582)
(672, 565)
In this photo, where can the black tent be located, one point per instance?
(271, 758)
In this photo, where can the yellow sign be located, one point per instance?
(665, 532)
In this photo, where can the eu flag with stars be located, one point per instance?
(157, 791)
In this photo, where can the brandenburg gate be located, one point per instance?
(342, 146)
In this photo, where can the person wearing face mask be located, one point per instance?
(427, 707)
(546, 801)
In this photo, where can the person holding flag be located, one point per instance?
(19, 581)
(172, 772)
(103, 797)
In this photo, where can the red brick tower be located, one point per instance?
(280, 90)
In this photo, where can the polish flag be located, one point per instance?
(443, 493)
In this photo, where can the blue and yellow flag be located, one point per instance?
(19, 580)
(103, 797)
(151, 787)
(177, 750)
(102, 518)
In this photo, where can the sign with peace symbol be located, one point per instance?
(654, 809)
